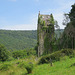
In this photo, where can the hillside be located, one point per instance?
(18, 40)
(59, 32)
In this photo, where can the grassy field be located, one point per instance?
(15, 67)
(66, 66)
(30, 66)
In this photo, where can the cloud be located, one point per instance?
(20, 27)
(31, 25)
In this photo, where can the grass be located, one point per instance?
(66, 66)
(14, 66)
(62, 67)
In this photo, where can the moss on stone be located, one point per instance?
(48, 30)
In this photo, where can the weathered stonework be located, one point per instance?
(45, 32)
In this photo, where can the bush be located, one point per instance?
(27, 66)
(12, 73)
(5, 67)
(72, 65)
(46, 59)
(21, 64)
(67, 51)
(23, 53)
(10, 58)
(20, 54)
(3, 53)
(55, 56)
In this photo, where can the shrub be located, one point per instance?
(12, 73)
(46, 59)
(20, 54)
(67, 51)
(72, 65)
(29, 67)
(3, 53)
(10, 58)
(23, 53)
(21, 64)
(5, 67)
(55, 56)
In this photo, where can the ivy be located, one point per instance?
(52, 19)
(49, 32)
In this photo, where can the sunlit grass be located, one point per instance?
(63, 67)
(14, 68)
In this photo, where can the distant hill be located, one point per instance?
(19, 40)
(59, 32)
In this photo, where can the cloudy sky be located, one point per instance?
(23, 14)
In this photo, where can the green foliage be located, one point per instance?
(67, 51)
(3, 53)
(55, 56)
(72, 65)
(48, 40)
(36, 48)
(68, 38)
(4, 66)
(31, 52)
(23, 53)
(48, 32)
(18, 40)
(66, 66)
(52, 19)
(72, 15)
(46, 44)
(27, 66)
(39, 20)
(67, 41)
(21, 64)
(59, 68)
(19, 54)
(18, 66)
(43, 23)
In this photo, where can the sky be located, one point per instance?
(23, 14)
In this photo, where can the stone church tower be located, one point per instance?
(45, 33)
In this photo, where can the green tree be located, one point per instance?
(69, 32)
(3, 53)
(72, 15)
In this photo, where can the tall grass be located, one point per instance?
(62, 67)
(29, 66)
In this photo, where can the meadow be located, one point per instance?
(30, 66)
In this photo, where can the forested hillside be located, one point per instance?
(59, 32)
(18, 40)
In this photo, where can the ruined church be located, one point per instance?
(45, 33)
